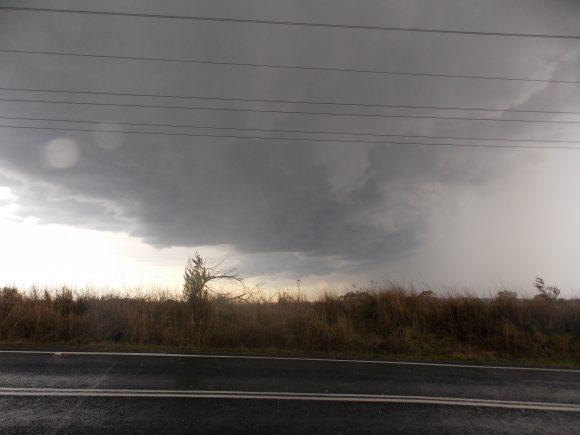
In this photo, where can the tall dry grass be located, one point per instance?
(392, 320)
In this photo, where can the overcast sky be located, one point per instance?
(125, 209)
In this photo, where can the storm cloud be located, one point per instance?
(290, 205)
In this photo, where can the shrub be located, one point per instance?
(198, 276)
(506, 294)
(549, 292)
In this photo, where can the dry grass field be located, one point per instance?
(390, 321)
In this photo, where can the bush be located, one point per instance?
(506, 294)
(197, 279)
(547, 292)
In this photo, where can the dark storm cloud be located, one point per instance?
(359, 203)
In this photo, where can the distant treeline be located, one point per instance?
(389, 321)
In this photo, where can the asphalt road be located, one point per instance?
(56, 392)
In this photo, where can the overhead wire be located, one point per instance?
(288, 23)
(265, 100)
(275, 130)
(292, 139)
(277, 111)
(288, 112)
(289, 67)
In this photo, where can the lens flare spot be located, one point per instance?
(62, 153)
(108, 140)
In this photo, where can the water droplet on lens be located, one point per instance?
(62, 153)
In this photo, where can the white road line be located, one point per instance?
(259, 395)
(279, 358)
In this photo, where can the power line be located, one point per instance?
(289, 112)
(290, 139)
(287, 23)
(290, 67)
(263, 100)
(267, 130)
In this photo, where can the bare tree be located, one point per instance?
(549, 292)
(198, 276)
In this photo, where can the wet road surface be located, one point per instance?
(59, 392)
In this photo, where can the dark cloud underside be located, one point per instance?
(330, 202)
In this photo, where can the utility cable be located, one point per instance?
(292, 139)
(288, 112)
(276, 101)
(275, 130)
(290, 67)
(287, 23)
